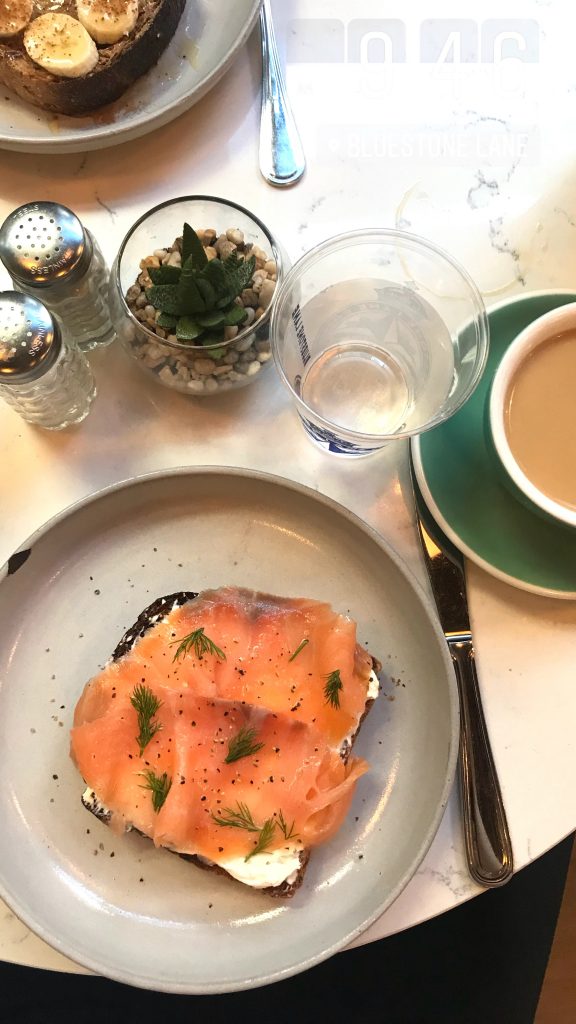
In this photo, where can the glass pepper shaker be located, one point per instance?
(48, 253)
(46, 380)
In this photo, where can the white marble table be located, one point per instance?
(481, 158)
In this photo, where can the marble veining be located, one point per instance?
(502, 245)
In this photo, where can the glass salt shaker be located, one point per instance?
(48, 253)
(46, 380)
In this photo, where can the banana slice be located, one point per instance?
(14, 16)
(61, 45)
(107, 21)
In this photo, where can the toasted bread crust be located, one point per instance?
(119, 64)
(145, 621)
(148, 618)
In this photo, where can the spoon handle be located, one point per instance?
(282, 159)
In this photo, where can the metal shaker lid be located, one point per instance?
(44, 244)
(30, 339)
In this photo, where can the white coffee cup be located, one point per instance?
(545, 329)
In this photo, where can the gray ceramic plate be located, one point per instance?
(144, 916)
(206, 41)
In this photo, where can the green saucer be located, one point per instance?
(459, 476)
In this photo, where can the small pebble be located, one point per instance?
(258, 280)
(225, 248)
(149, 261)
(249, 297)
(260, 256)
(266, 293)
(235, 235)
(152, 361)
(166, 375)
(253, 368)
(244, 344)
(204, 366)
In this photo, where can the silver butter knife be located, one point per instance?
(486, 834)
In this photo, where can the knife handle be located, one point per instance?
(488, 845)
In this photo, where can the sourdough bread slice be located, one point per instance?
(159, 608)
(119, 64)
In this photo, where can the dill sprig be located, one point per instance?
(242, 745)
(287, 832)
(332, 688)
(300, 647)
(201, 643)
(264, 839)
(146, 705)
(241, 818)
(159, 785)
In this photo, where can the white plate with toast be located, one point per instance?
(208, 37)
(116, 904)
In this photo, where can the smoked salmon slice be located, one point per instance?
(223, 730)
(278, 655)
(293, 776)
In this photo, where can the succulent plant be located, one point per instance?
(198, 300)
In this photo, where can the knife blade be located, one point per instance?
(486, 834)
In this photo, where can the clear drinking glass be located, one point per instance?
(377, 334)
(193, 369)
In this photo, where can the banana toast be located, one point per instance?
(118, 64)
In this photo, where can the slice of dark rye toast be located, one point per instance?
(119, 64)
(146, 620)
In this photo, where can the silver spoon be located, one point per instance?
(282, 160)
